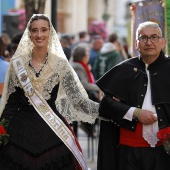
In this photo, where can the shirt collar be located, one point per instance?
(157, 61)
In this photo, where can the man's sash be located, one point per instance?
(47, 114)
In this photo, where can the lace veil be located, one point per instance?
(72, 100)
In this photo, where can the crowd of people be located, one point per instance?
(50, 82)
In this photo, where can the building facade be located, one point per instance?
(75, 15)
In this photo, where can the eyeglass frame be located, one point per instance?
(140, 40)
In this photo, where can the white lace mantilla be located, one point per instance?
(72, 100)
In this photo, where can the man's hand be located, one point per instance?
(146, 117)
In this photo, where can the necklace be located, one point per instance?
(42, 62)
(37, 81)
(39, 63)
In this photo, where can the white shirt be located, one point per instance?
(149, 131)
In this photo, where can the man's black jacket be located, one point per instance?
(128, 82)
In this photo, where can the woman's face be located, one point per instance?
(39, 33)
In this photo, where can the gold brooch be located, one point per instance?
(135, 69)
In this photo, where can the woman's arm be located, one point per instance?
(113, 109)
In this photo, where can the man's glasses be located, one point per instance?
(154, 38)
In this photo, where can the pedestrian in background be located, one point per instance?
(7, 40)
(65, 41)
(108, 58)
(14, 43)
(81, 55)
(83, 37)
(3, 66)
(96, 45)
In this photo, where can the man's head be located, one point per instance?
(113, 37)
(65, 40)
(97, 43)
(83, 36)
(149, 41)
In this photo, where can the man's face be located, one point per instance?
(150, 50)
(97, 45)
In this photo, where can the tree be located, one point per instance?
(34, 7)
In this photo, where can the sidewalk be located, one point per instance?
(90, 157)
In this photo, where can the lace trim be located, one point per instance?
(11, 82)
(44, 84)
(72, 100)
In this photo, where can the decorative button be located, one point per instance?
(132, 127)
(142, 95)
(160, 120)
(159, 108)
(139, 106)
(144, 84)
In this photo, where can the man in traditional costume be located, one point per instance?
(137, 105)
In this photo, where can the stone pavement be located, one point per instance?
(89, 148)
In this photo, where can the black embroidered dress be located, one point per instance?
(32, 144)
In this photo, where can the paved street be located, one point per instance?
(90, 157)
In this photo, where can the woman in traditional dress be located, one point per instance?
(42, 94)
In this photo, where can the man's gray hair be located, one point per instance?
(147, 24)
